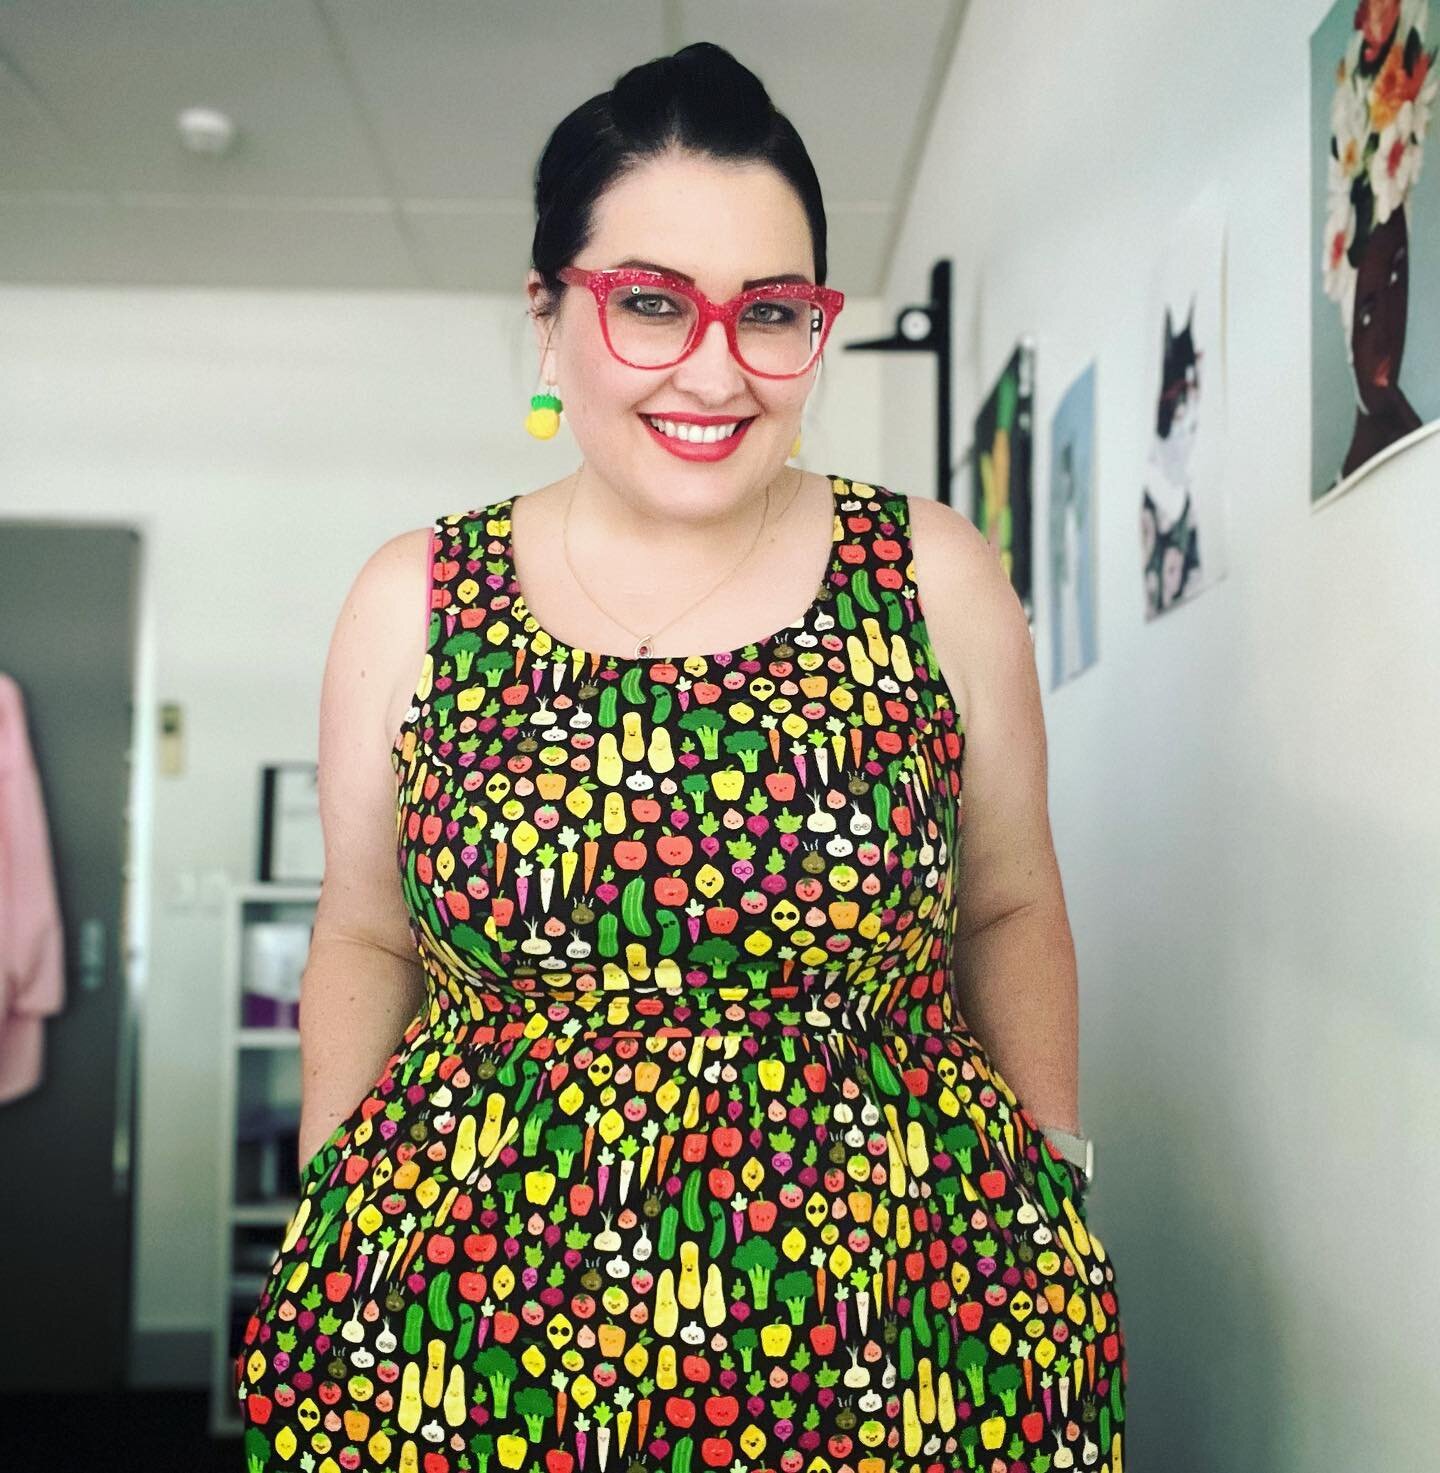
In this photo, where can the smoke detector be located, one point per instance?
(205, 130)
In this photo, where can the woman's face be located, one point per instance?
(723, 225)
(1382, 293)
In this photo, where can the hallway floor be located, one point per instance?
(123, 1432)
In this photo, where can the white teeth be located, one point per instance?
(695, 434)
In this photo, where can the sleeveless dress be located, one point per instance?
(688, 1162)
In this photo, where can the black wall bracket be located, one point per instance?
(925, 328)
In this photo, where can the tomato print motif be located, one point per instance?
(688, 1162)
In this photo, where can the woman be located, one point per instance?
(685, 1158)
(1385, 88)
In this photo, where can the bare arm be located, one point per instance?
(1014, 957)
(363, 981)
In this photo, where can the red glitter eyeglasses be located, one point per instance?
(651, 319)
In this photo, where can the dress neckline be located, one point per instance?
(831, 581)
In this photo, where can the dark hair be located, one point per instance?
(700, 100)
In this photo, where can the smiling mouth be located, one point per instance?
(693, 434)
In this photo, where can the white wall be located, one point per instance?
(1244, 793)
(267, 443)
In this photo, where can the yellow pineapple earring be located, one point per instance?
(544, 417)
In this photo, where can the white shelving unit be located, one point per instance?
(258, 1084)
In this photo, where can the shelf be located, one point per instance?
(267, 1037)
(257, 1083)
(261, 1214)
(228, 1425)
(272, 893)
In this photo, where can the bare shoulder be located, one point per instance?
(378, 644)
(974, 618)
(982, 641)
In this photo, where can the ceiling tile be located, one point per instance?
(472, 247)
(858, 241)
(391, 145)
(118, 73)
(851, 77)
(463, 95)
(90, 241)
(37, 152)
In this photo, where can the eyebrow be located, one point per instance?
(745, 286)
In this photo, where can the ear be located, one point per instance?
(544, 326)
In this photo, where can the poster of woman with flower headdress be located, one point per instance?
(1182, 510)
(1375, 283)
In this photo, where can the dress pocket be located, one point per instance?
(1075, 1176)
(1061, 1176)
(332, 1148)
(319, 1164)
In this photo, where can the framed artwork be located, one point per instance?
(1072, 531)
(1000, 470)
(1182, 500)
(1374, 241)
(292, 850)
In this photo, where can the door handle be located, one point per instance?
(92, 954)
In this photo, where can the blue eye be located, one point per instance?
(632, 304)
(783, 318)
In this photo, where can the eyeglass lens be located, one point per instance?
(651, 327)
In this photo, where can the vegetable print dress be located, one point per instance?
(688, 1162)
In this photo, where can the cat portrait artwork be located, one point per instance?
(1169, 537)
(1373, 87)
(1182, 513)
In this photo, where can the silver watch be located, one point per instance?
(1079, 1150)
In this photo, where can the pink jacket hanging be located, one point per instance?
(32, 966)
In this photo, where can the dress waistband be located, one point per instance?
(713, 1015)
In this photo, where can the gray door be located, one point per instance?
(68, 595)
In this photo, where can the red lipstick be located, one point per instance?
(686, 449)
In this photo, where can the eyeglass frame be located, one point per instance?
(601, 281)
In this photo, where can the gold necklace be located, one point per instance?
(644, 645)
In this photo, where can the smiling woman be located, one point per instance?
(688, 1160)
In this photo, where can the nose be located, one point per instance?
(711, 370)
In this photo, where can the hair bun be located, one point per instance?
(702, 83)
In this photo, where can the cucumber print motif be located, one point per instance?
(688, 1162)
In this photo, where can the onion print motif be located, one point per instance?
(688, 1161)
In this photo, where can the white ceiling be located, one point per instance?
(390, 144)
